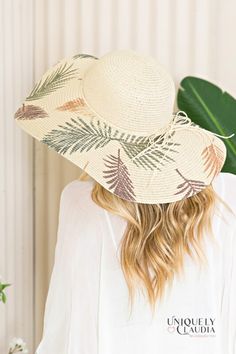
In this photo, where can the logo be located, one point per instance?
(193, 327)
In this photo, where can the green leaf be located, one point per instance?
(52, 82)
(4, 298)
(3, 286)
(212, 109)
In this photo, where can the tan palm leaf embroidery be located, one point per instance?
(77, 105)
(213, 159)
(190, 186)
(30, 112)
(72, 106)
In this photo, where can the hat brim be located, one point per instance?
(57, 114)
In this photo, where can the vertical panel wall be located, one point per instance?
(188, 37)
(16, 174)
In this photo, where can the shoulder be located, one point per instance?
(76, 189)
(80, 218)
(225, 186)
(229, 177)
(76, 197)
(225, 179)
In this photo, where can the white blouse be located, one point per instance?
(87, 311)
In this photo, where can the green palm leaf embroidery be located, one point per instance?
(190, 186)
(53, 82)
(78, 135)
(118, 177)
(153, 155)
(82, 56)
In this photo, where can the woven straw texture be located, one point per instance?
(99, 113)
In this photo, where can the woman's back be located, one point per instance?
(87, 308)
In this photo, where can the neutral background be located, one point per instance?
(190, 37)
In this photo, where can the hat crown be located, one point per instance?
(131, 91)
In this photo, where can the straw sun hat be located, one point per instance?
(113, 117)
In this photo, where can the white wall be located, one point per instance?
(190, 37)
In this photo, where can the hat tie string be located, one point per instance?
(179, 122)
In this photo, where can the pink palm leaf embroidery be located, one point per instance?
(117, 176)
(30, 112)
(190, 186)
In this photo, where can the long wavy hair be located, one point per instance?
(157, 236)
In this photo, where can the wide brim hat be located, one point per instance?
(113, 117)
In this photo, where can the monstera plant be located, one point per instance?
(212, 109)
(3, 285)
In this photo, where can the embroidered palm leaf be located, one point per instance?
(118, 177)
(214, 159)
(84, 111)
(78, 135)
(82, 56)
(153, 156)
(52, 82)
(30, 112)
(72, 106)
(189, 186)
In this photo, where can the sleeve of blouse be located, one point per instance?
(58, 303)
(229, 309)
(232, 298)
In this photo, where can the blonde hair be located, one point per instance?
(158, 236)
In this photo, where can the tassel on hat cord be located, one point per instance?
(221, 136)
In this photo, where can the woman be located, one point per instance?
(144, 259)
